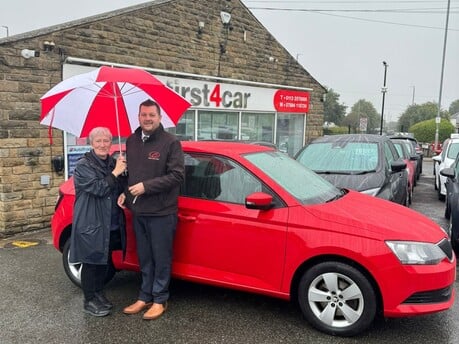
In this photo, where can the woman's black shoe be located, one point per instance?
(103, 300)
(95, 308)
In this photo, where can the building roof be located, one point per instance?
(86, 20)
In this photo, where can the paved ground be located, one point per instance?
(40, 305)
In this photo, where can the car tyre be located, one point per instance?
(73, 271)
(440, 196)
(410, 195)
(337, 299)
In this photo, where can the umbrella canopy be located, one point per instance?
(108, 97)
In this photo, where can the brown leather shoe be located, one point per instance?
(137, 307)
(155, 311)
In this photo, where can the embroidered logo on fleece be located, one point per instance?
(154, 155)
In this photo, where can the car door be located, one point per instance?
(398, 180)
(218, 239)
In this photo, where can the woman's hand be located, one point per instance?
(121, 200)
(120, 166)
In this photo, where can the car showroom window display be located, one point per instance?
(253, 219)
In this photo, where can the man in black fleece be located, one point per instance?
(155, 164)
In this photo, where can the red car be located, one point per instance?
(410, 161)
(253, 219)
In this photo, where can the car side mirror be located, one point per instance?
(448, 172)
(259, 200)
(397, 166)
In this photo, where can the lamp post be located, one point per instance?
(383, 90)
(438, 119)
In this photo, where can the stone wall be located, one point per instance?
(160, 34)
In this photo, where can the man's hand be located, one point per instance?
(137, 189)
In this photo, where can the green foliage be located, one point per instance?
(425, 131)
(454, 107)
(363, 108)
(418, 113)
(336, 130)
(333, 111)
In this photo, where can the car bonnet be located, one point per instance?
(377, 218)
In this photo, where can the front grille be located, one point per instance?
(445, 246)
(433, 296)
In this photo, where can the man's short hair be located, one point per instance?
(150, 102)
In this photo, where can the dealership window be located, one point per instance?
(249, 126)
(185, 127)
(290, 132)
(257, 127)
(217, 125)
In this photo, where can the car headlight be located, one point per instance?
(416, 253)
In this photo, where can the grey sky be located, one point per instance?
(342, 49)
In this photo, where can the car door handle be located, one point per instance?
(186, 218)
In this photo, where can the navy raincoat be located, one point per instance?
(96, 190)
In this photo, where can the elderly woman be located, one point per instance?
(98, 222)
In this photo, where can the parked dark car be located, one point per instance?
(452, 201)
(367, 163)
(415, 149)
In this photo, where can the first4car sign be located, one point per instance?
(212, 95)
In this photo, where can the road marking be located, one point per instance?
(24, 244)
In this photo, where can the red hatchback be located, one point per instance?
(251, 218)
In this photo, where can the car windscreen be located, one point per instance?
(305, 185)
(453, 149)
(340, 157)
(399, 147)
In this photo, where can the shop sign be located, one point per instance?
(222, 96)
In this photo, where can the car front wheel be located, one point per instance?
(337, 299)
(73, 271)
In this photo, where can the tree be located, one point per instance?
(454, 107)
(418, 113)
(333, 111)
(363, 109)
(425, 131)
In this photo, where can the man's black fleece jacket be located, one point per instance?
(159, 164)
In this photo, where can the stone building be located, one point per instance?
(213, 41)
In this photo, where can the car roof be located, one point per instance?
(402, 137)
(351, 138)
(224, 147)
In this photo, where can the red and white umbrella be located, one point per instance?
(108, 97)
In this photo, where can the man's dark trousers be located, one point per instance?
(155, 237)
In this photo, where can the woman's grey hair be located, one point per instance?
(99, 131)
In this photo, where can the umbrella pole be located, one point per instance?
(117, 116)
